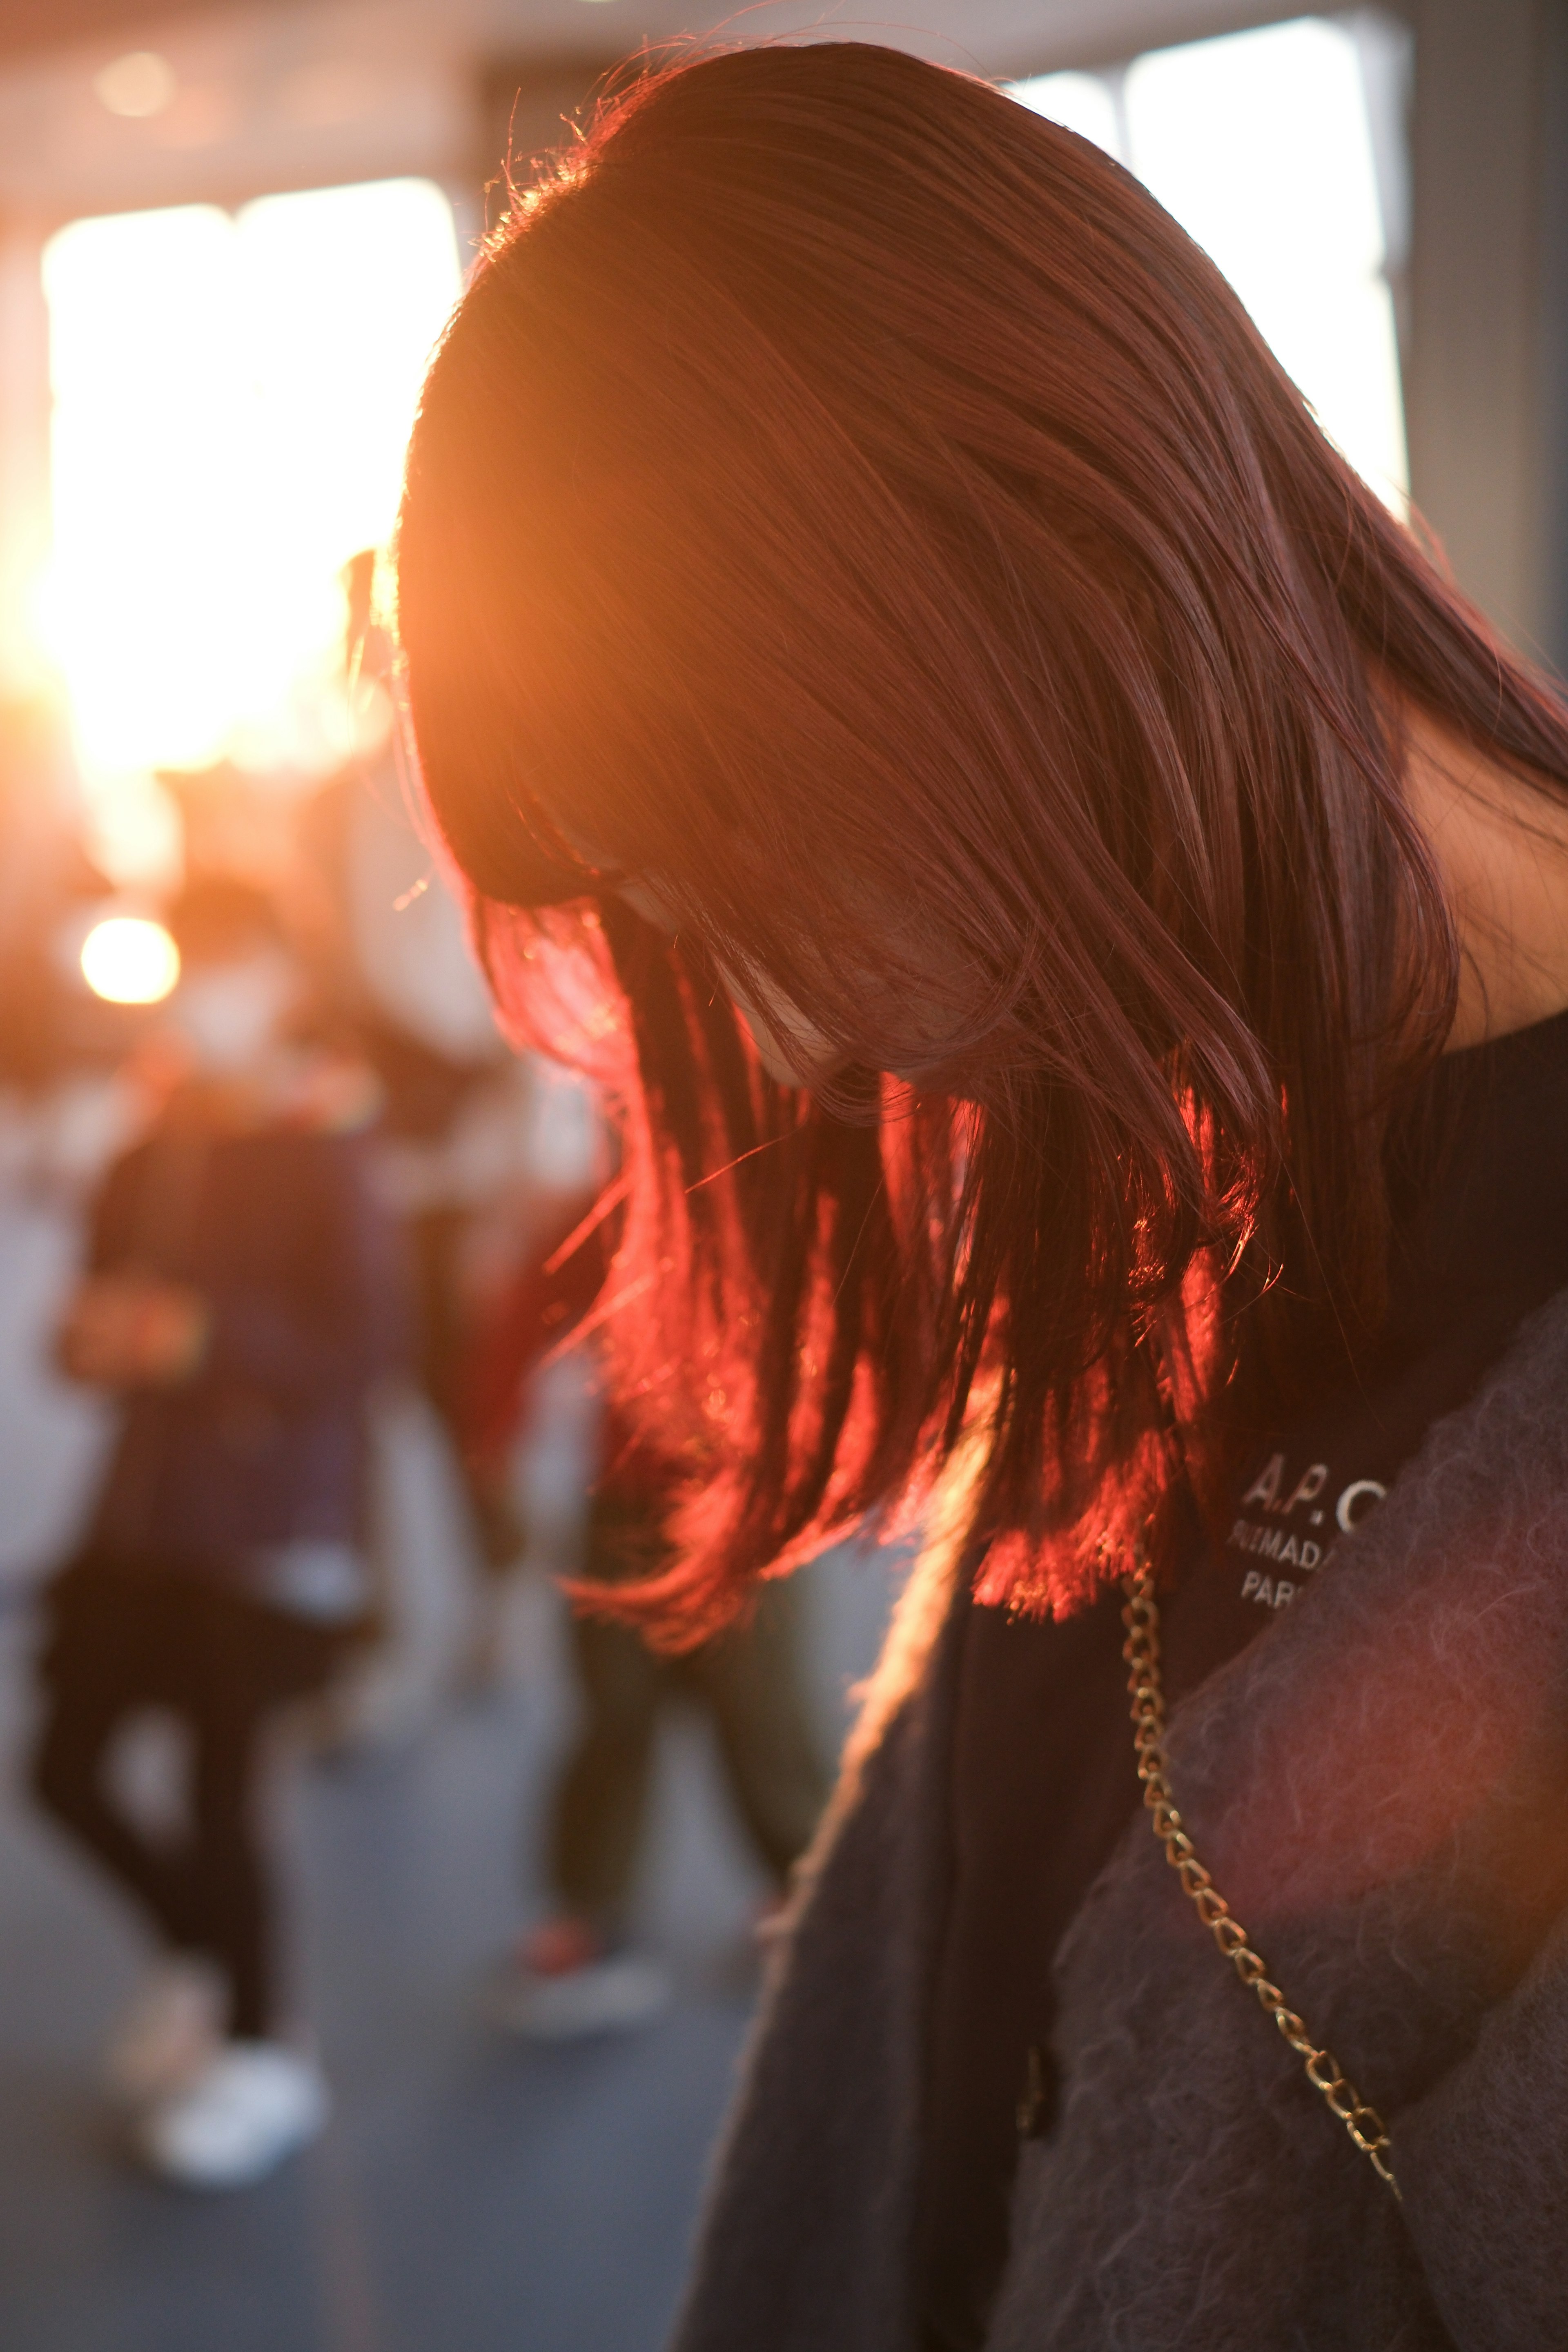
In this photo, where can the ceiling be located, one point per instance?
(44, 23)
(295, 93)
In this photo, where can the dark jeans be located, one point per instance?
(747, 1683)
(121, 1640)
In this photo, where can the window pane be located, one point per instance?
(1079, 101)
(1261, 145)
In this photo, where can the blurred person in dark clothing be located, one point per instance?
(576, 1971)
(241, 1298)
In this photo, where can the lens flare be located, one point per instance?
(129, 960)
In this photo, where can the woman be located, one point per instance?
(1090, 904)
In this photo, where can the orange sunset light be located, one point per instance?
(233, 394)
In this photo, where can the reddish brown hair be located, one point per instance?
(850, 504)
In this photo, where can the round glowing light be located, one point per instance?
(130, 961)
(139, 84)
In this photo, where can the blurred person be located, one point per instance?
(1075, 906)
(577, 1970)
(239, 1299)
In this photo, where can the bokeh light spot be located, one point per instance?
(129, 959)
(136, 85)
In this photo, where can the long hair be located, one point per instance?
(849, 505)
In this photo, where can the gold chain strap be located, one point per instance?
(1141, 1652)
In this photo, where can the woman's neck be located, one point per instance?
(1502, 851)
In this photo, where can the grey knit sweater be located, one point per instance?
(1380, 1786)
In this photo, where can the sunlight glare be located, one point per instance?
(233, 394)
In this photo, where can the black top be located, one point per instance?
(281, 1232)
(1043, 1780)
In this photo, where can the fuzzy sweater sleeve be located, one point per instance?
(1485, 2185)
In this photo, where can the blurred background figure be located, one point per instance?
(241, 1298)
(576, 1969)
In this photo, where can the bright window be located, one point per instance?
(233, 394)
(1260, 144)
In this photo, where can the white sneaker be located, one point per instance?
(168, 2033)
(254, 2104)
(605, 1996)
